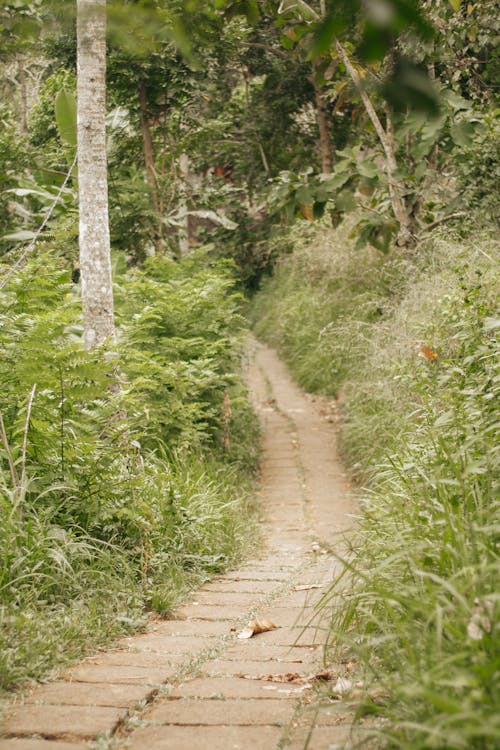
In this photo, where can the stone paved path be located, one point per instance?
(189, 682)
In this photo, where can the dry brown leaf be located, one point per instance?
(426, 352)
(295, 677)
(255, 627)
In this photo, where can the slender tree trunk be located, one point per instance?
(149, 160)
(21, 70)
(184, 243)
(325, 141)
(386, 137)
(95, 252)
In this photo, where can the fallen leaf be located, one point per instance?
(307, 586)
(295, 677)
(255, 627)
(342, 686)
(427, 352)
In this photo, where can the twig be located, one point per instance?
(441, 220)
(42, 226)
(267, 48)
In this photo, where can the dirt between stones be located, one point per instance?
(189, 682)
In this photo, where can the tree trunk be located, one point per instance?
(325, 143)
(149, 160)
(21, 70)
(94, 241)
(386, 137)
(184, 243)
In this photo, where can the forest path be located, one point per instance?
(190, 682)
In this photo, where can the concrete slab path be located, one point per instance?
(190, 682)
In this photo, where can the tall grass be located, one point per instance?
(116, 501)
(417, 603)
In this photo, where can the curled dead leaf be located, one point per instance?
(426, 352)
(255, 627)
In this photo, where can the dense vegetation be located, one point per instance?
(349, 152)
(116, 500)
(410, 347)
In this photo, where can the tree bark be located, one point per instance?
(184, 243)
(94, 240)
(386, 137)
(149, 159)
(23, 93)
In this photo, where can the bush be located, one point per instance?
(139, 485)
(417, 602)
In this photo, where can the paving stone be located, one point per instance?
(296, 638)
(194, 628)
(84, 694)
(39, 744)
(254, 668)
(205, 738)
(116, 675)
(241, 587)
(245, 650)
(233, 687)
(61, 721)
(230, 599)
(288, 616)
(322, 738)
(206, 612)
(232, 712)
(131, 658)
(169, 645)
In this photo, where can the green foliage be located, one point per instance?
(14, 156)
(478, 171)
(43, 121)
(417, 603)
(65, 113)
(137, 491)
(328, 297)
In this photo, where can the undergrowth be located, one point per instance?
(410, 348)
(124, 473)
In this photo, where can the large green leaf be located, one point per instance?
(462, 132)
(65, 109)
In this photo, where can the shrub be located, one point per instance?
(417, 601)
(119, 483)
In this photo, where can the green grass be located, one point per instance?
(417, 603)
(116, 502)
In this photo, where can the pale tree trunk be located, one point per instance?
(184, 243)
(94, 241)
(149, 160)
(23, 93)
(386, 137)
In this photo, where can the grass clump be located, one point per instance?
(417, 602)
(116, 500)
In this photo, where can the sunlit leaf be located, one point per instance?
(65, 111)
